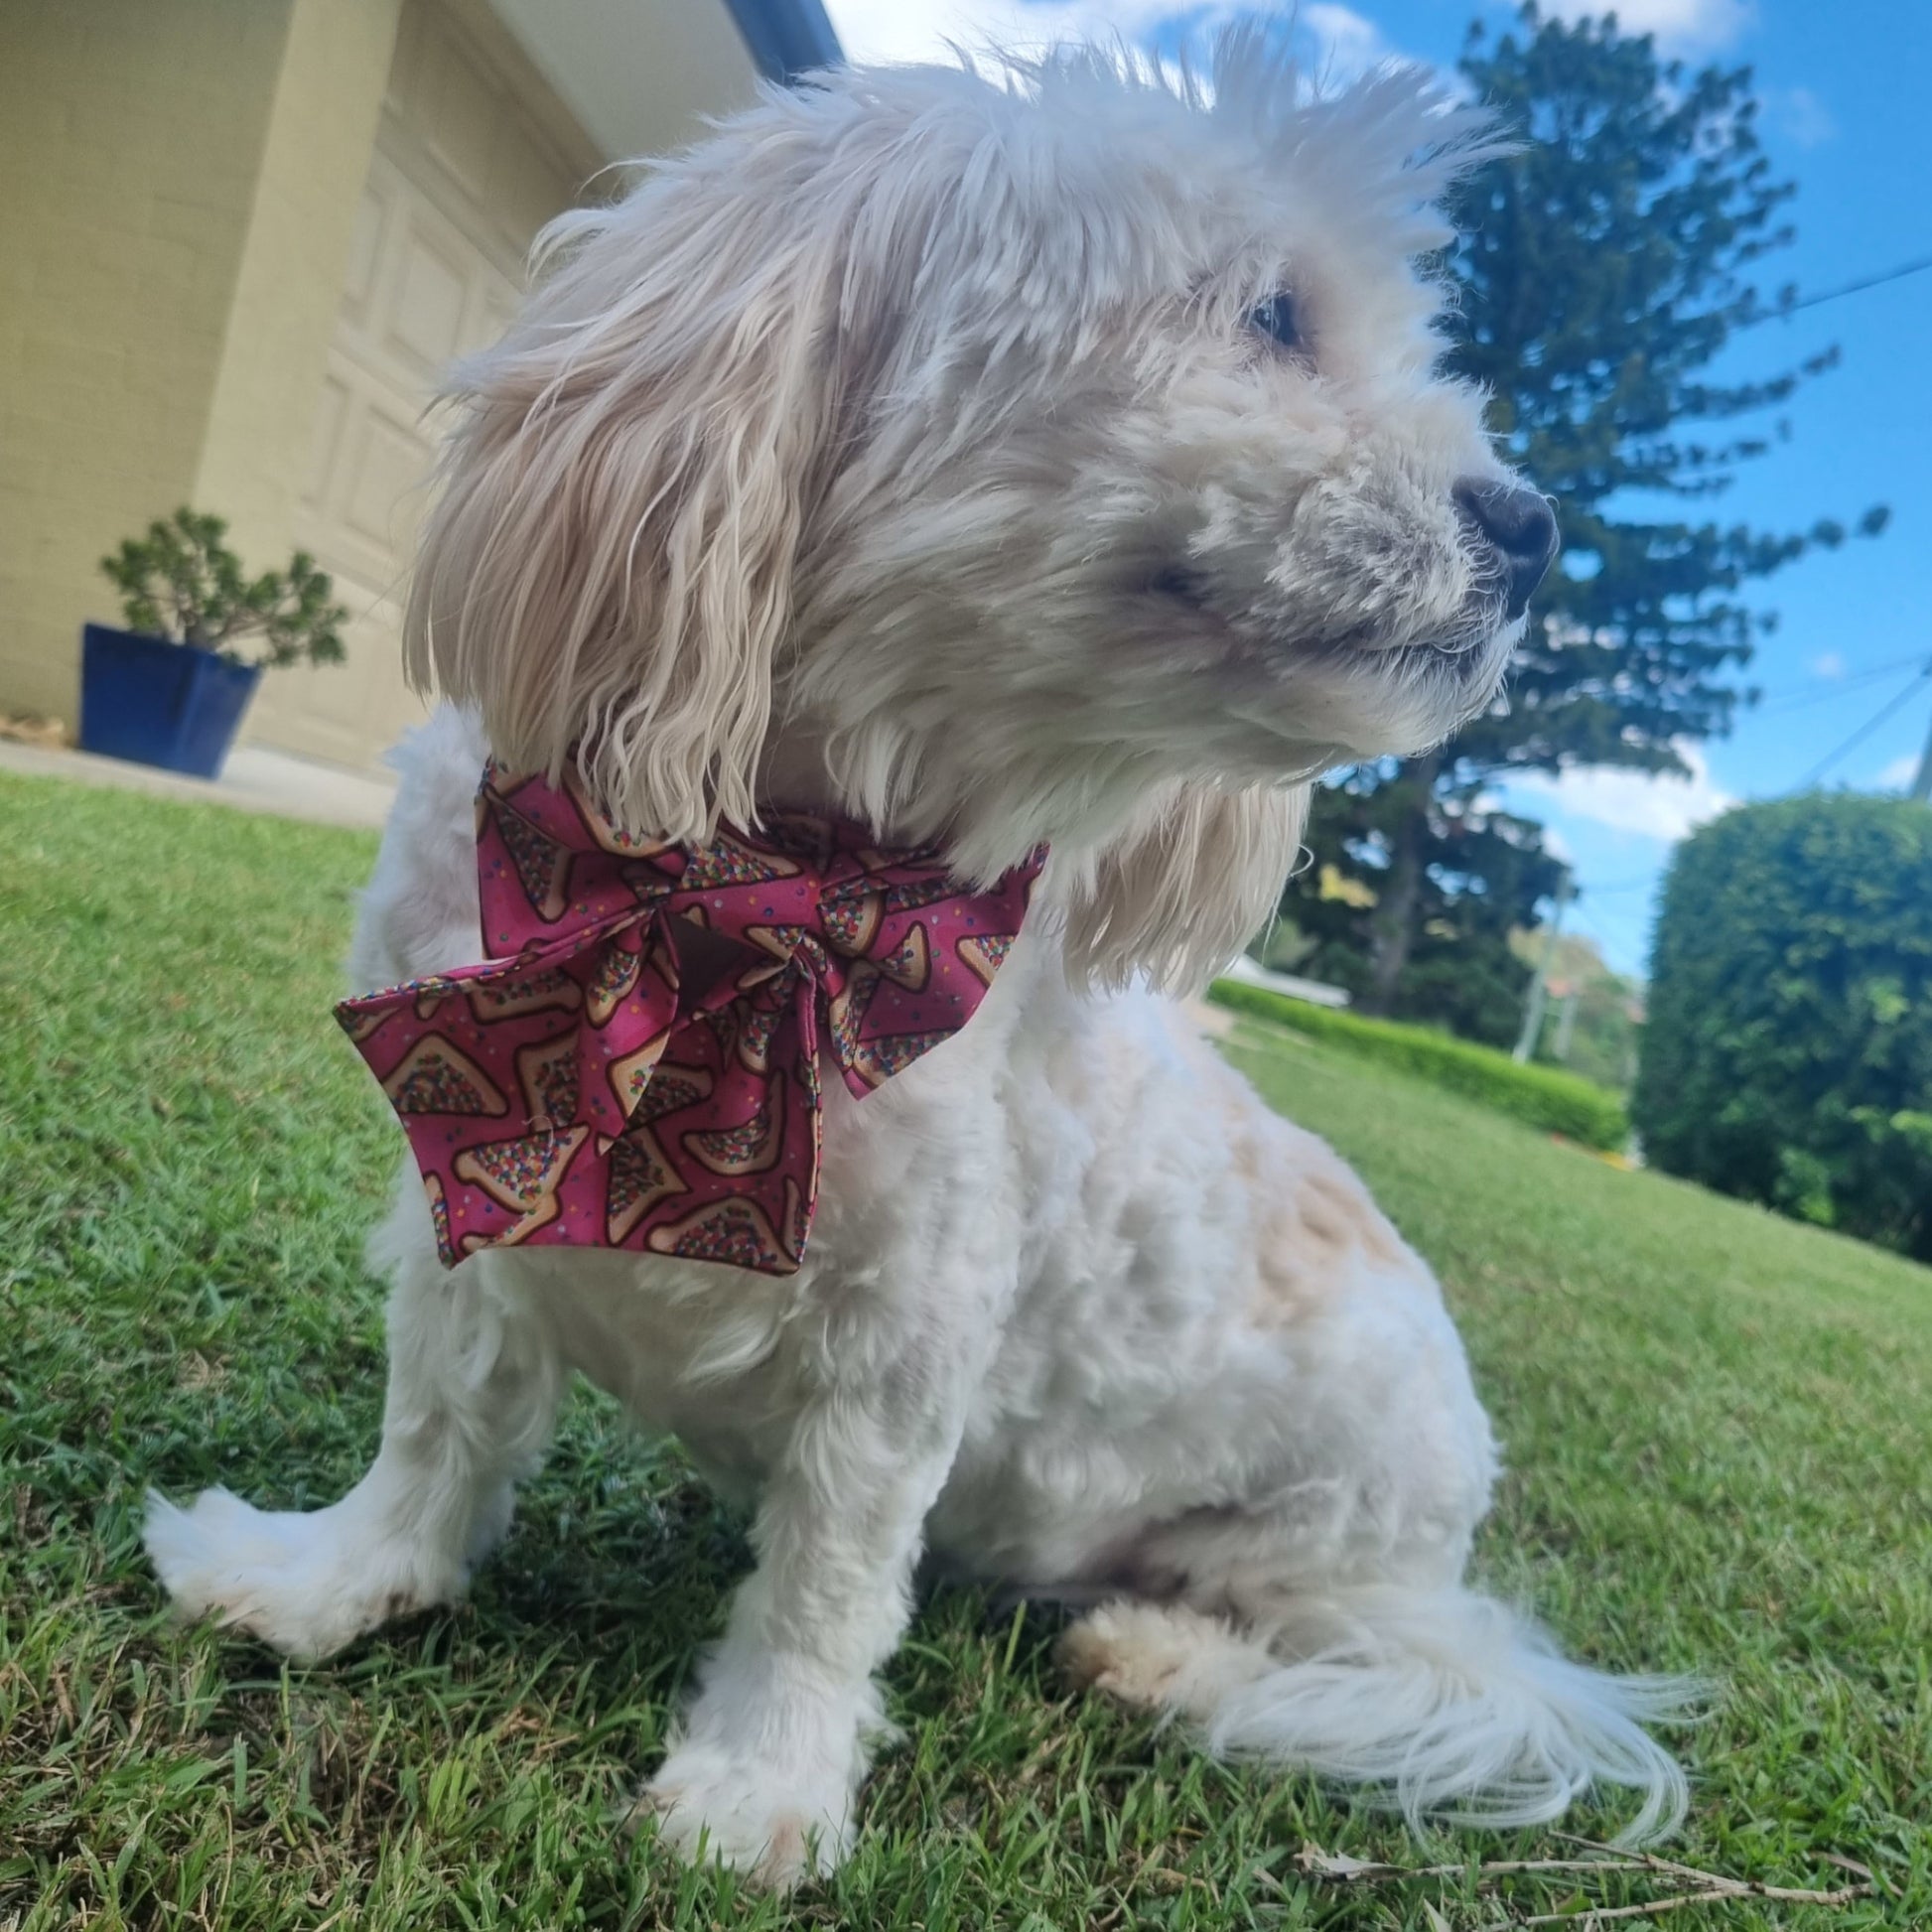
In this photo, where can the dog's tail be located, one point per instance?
(1442, 1703)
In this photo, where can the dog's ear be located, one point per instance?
(1188, 886)
(608, 570)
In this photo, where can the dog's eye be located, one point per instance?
(1275, 318)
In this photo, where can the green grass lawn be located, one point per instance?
(1716, 1422)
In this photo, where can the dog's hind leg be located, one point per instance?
(1445, 1702)
(473, 1386)
(1311, 1609)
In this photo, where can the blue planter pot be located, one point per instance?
(160, 703)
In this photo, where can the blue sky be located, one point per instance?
(1845, 88)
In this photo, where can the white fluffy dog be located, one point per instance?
(1054, 456)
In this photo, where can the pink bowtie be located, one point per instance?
(636, 1064)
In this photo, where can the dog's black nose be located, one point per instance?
(1520, 524)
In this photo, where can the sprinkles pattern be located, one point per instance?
(541, 1089)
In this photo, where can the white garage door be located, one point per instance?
(462, 178)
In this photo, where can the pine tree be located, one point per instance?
(1476, 875)
(1603, 267)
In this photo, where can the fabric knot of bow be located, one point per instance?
(636, 1062)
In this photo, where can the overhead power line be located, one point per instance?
(1823, 690)
(1917, 266)
(1605, 945)
(1870, 724)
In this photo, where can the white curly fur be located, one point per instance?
(906, 449)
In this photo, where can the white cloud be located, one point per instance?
(1682, 23)
(1829, 664)
(1346, 45)
(897, 31)
(1652, 805)
(1898, 773)
(1799, 113)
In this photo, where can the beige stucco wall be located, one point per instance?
(320, 132)
(472, 155)
(182, 175)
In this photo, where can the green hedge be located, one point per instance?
(1542, 1096)
(1788, 1057)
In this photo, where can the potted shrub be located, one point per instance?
(170, 688)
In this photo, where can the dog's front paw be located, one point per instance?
(776, 1823)
(306, 1583)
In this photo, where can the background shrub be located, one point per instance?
(1542, 1096)
(1788, 1057)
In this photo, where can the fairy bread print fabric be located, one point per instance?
(636, 1062)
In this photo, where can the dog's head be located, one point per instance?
(1056, 456)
